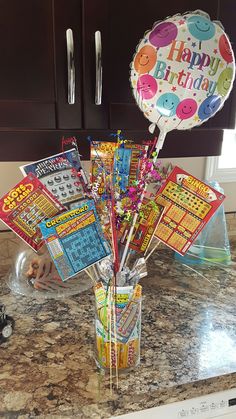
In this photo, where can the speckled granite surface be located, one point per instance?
(188, 347)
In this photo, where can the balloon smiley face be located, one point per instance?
(163, 34)
(145, 59)
(209, 107)
(225, 49)
(200, 27)
(167, 104)
(224, 81)
(186, 108)
(147, 86)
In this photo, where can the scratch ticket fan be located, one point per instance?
(128, 164)
(62, 174)
(189, 205)
(121, 159)
(25, 206)
(75, 239)
(102, 158)
(150, 216)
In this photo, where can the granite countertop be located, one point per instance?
(188, 347)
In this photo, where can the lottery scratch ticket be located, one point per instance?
(75, 239)
(25, 206)
(62, 175)
(147, 222)
(189, 204)
(120, 349)
(124, 160)
(102, 158)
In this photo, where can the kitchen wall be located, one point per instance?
(10, 175)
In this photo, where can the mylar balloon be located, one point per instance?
(182, 71)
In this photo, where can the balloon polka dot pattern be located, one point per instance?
(163, 34)
(146, 86)
(145, 59)
(201, 27)
(167, 104)
(209, 107)
(186, 109)
(225, 49)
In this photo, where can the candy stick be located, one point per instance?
(158, 147)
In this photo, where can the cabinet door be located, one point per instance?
(122, 24)
(67, 15)
(27, 96)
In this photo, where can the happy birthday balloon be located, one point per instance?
(182, 71)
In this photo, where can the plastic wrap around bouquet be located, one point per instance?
(212, 246)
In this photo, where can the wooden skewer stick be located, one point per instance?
(159, 146)
(151, 252)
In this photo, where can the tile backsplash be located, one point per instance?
(231, 225)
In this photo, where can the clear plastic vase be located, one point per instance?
(212, 246)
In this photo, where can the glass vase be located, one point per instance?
(118, 327)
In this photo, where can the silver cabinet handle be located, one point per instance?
(70, 66)
(98, 56)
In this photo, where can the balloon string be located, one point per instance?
(179, 123)
(200, 274)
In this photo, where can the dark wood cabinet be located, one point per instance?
(33, 71)
(68, 15)
(27, 89)
(33, 75)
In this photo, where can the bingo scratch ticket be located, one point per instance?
(189, 204)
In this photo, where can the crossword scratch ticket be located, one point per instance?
(75, 239)
(189, 204)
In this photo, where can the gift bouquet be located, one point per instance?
(101, 228)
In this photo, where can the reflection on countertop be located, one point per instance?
(188, 346)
